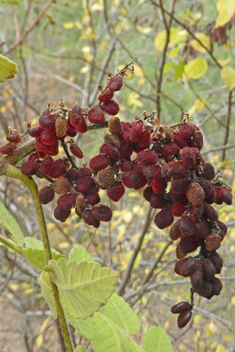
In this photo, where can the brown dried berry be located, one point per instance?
(175, 231)
(195, 194)
(80, 202)
(105, 178)
(212, 242)
(184, 318)
(61, 185)
(60, 127)
(180, 307)
(115, 125)
(112, 139)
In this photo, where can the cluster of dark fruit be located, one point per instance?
(166, 160)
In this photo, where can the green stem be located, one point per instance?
(10, 244)
(13, 172)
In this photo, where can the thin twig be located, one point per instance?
(227, 124)
(29, 29)
(135, 253)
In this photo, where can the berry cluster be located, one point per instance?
(164, 160)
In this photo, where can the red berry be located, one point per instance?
(148, 192)
(216, 286)
(7, 149)
(226, 195)
(105, 96)
(92, 198)
(58, 169)
(175, 231)
(179, 208)
(111, 151)
(147, 157)
(210, 213)
(197, 140)
(47, 121)
(180, 185)
(89, 219)
(158, 201)
(175, 169)
(188, 244)
(180, 307)
(14, 138)
(178, 139)
(99, 162)
(30, 168)
(187, 130)
(115, 83)
(77, 119)
(158, 184)
(35, 131)
(197, 278)
(217, 261)
(116, 191)
(130, 179)
(61, 214)
(203, 228)
(102, 213)
(170, 149)
(125, 149)
(110, 107)
(152, 171)
(85, 185)
(183, 318)
(196, 212)
(205, 289)
(187, 227)
(208, 269)
(66, 201)
(188, 267)
(48, 137)
(84, 171)
(76, 150)
(127, 165)
(212, 242)
(188, 156)
(46, 195)
(96, 114)
(136, 131)
(208, 171)
(195, 194)
(163, 219)
(46, 165)
(72, 175)
(218, 199)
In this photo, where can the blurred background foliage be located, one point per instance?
(185, 54)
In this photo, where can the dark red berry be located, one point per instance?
(197, 278)
(187, 227)
(130, 179)
(116, 191)
(175, 169)
(14, 138)
(35, 131)
(85, 185)
(89, 219)
(46, 165)
(66, 201)
(77, 119)
(158, 184)
(226, 195)
(180, 307)
(158, 201)
(105, 96)
(30, 168)
(46, 195)
(163, 219)
(47, 120)
(96, 114)
(58, 169)
(187, 130)
(61, 214)
(102, 213)
(99, 162)
(147, 157)
(152, 171)
(7, 148)
(111, 151)
(92, 198)
(115, 83)
(184, 318)
(175, 231)
(76, 150)
(111, 107)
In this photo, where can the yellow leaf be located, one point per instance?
(39, 340)
(159, 41)
(121, 232)
(138, 71)
(8, 69)
(141, 81)
(174, 52)
(144, 30)
(126, 258)
(204, 39)
(176, 36)
(224, 62)
(195, 18)
(68, 25)
(220, 348)
(227, 337)
(44, 324)
(133, 100)
(84, 69)
(3, 109)
(168, 66)
(78, 25)
(233, 301)
(228, 75)
(195, 68)
(200, 104)
(197, 318)
(222, 18)
(71, 79)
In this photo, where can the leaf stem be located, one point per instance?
(13, 172)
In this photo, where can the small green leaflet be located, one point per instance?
(119, 312)
(8, 69)
(228, 75)
(80, 349)
(8, 222)
(156, 339)
(83, 287)
(44, 282)
(79, 254)
(179, 70)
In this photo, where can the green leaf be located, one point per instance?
(195, 68)
(121, 314)
(228, 75)
(156, 339)
(8, 69)
(179, 70)
(8, 222)
(168, 66)
(108, 337)
(34, 253)
(44, 282)
(86, 327)
(83, 287)
(80, 349)
(79, 254)
(204, 39)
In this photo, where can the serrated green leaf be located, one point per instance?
(83, 287)
(34, 253)
(119, 312)
(228, 75)
(44, 282)
(108, 337)
(8, 222)
(80, 349)
(195, 68)
(179, 70)
(86, 327)
(79, 254)
(8, 69)
(156, 339)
